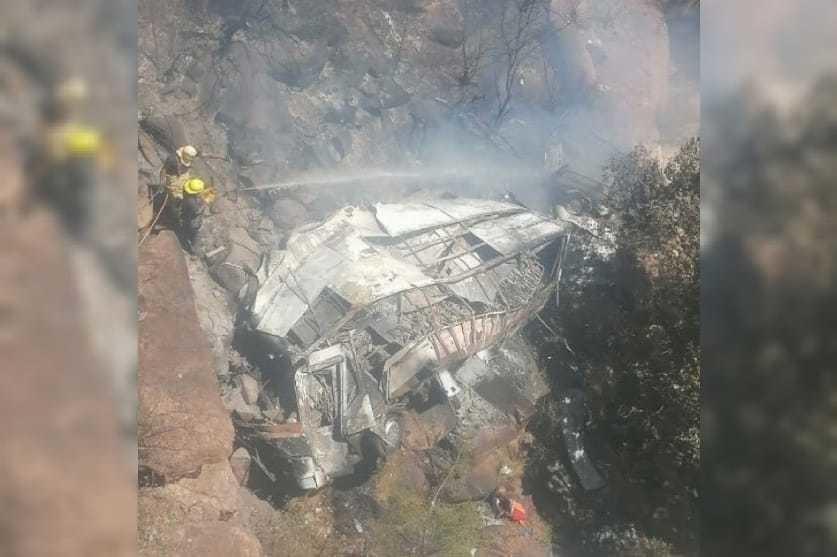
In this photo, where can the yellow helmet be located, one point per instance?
(194, 186)
(81, 141)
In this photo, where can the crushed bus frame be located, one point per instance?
(377, 303)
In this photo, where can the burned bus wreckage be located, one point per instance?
(379, 306)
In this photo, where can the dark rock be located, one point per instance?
(448, 36)
(295, 63)
(166, 130)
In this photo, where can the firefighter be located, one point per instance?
(185, 200)
(69, 155)
(180, 162)
(182, 194)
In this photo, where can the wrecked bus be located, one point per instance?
(378, 301)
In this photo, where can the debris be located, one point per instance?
(506, 507)
(572, 424)
(377, 303)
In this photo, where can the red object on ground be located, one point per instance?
(518, 512)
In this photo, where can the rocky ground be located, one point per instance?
(274, 92)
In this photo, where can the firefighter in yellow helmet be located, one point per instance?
(186, 194)
(70, 153)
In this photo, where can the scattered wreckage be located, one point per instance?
(414, 304)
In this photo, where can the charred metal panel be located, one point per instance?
(404, 218)
(518, 232)
(323, 314)
(289, 289)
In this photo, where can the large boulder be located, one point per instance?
(182, 424)
(446, 24)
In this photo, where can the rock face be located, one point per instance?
(182, 423)
(185, 433)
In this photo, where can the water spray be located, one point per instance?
(458, 173)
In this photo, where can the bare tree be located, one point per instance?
(519, 29)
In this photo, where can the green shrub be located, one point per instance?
(410, 525)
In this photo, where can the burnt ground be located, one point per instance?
(273, 92)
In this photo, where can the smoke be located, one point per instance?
(583, 89)
(777, 47)
(603, 78)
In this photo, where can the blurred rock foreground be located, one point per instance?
(64, 481)
(269, 91)
(66, 314)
